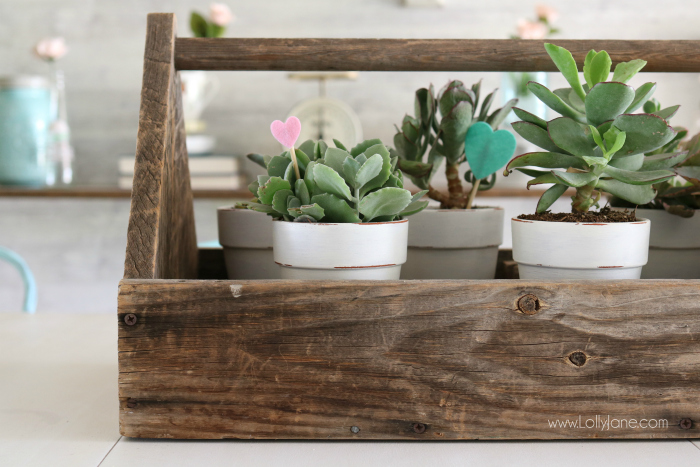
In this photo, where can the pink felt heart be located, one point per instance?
(286, 133)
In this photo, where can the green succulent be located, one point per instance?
(336, 185)
(680, 195)
(598, 141)
(438, 130)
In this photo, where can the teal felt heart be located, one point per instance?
(487, 150)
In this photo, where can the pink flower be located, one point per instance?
(531, 29)
(546, 12)
(51, 48)
(220, 14)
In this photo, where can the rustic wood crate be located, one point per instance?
(204, 357)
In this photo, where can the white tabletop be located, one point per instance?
(58, 407)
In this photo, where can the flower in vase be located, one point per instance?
(51, 48)
(546, 13)
(220, 14)
(532, 29)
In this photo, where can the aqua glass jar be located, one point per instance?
(25, 115)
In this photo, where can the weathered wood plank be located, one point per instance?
(420, 54)
(295, 359)
(161, 239)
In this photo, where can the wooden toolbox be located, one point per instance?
(204, 357)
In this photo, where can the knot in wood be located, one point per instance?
(131, 403)
(529, 304)
(686, 424)
(578, 358)
(419, 428)
(130, 319)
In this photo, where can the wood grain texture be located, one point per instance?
(420, 54)
(294, 359)
(161, 239)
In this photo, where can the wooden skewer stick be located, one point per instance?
(294, 161)
(472, 194)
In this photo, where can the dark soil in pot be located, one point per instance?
(605, 215)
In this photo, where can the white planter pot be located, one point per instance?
(674, 245)
(340, 251)
(565, 250)
(454, 244)
(247, 240)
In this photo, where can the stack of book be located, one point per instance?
(206, 173)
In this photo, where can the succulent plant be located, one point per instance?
(680, 195)
(336, 185)
(598, 141)
(442, 138)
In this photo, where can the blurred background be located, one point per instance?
(73, 233)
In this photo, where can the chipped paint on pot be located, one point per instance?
(340, 251)
(567, 250)
(674, 245)
(247, 240)
(454, 243)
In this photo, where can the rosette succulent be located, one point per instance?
(598, 143)
(336, 185)
(439, 129)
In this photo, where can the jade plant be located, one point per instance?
(599, 142)
(437, 133)
(335, 185)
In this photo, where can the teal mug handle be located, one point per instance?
(30, 293)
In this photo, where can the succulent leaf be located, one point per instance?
(644, 132)
(628, 163)
(606, 101)
(369, 170)
(662, 161)
(636, 194)
(329, 181)
(554, 102)
(313, 210)
(536, 135)
(258, 159)
(384, 173)
(546, 160)
(454, 128)
(668, 112)
(624, 71)
(334, 158)
(267, 191)
(530, 118)
(571, 136)
(253, 188)
(335, 209)
(599, 69)
(414, 207)
(350, 168)
(384, 202)
(641, 95)
(363, 146)
(637, 177)
(565, 62)
(548, 198)
(496, 118)
(302, 191)
(339, 145)
(278, 166)
(574, 179)
(279, 200)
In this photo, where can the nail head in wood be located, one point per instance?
(686, 424)
(130, 319)
(529, 304)
(355, 429)
(419, 428)
(578, 358)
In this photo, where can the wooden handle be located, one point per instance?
(419, 54)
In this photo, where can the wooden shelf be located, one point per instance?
(114, 192)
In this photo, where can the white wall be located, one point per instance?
(106, 37)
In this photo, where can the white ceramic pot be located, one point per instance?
(454, 244)
(372, 251)
(567, 250)
(247, 240)
(674, 245)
